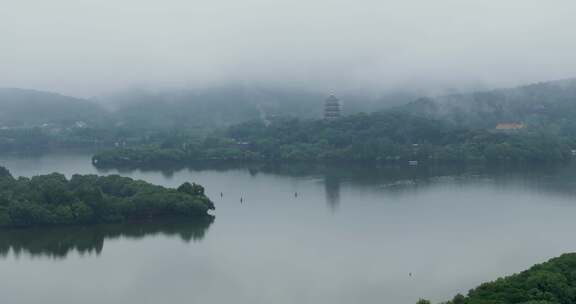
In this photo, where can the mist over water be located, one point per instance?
(304, 233)
(88, 48)
(437, 105)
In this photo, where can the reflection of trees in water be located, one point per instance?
(400, 178)
(57, 242)
(549, 178)
(332, 189)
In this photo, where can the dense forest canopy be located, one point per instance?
(548, 105)
(383, 136)
(553, 282)
(53, 199)
(392, 135)
(535, 123)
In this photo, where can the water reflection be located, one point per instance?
(390, 220)
(332, 189)
(394, 178)
(58, 242)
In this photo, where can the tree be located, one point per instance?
(459, 299)
(4, 173)
(192, 189)
(52, 199)
(186, 188)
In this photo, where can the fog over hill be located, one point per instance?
(94, 47)
(20, 107)
(540, 104)
(208, 108)
(545, 105)
(226, 105)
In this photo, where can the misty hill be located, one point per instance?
(182, 109)
(29, 108)
(223, 106)
(193, 110)
(547, 105)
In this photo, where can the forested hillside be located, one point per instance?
(240, 123)
(547, 106)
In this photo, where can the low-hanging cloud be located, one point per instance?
(89, 47)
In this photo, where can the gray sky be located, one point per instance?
(90, 47)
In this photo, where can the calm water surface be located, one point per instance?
(353, 234)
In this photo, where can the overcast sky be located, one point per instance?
(91, 47)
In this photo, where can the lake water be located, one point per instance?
(352, 234)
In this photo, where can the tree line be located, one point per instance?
(381, 136)
(552, 282)
(85, 199)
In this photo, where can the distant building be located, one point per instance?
(332, 108)
(510, 126)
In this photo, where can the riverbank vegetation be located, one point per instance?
(381, 136)
(525, 124)
(84, 199)
(553, 282)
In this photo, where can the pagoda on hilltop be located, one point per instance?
(332, 108)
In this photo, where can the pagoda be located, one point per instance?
(332, 109)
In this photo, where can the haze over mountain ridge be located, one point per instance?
(542, 104)
(227, 105)
(25, 107)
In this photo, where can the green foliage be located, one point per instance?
(157, 128)
(382, 136)
(4, 173)
(549, 107)
(458, 299)
(52, 199)
(192, 189)
(553, 282)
